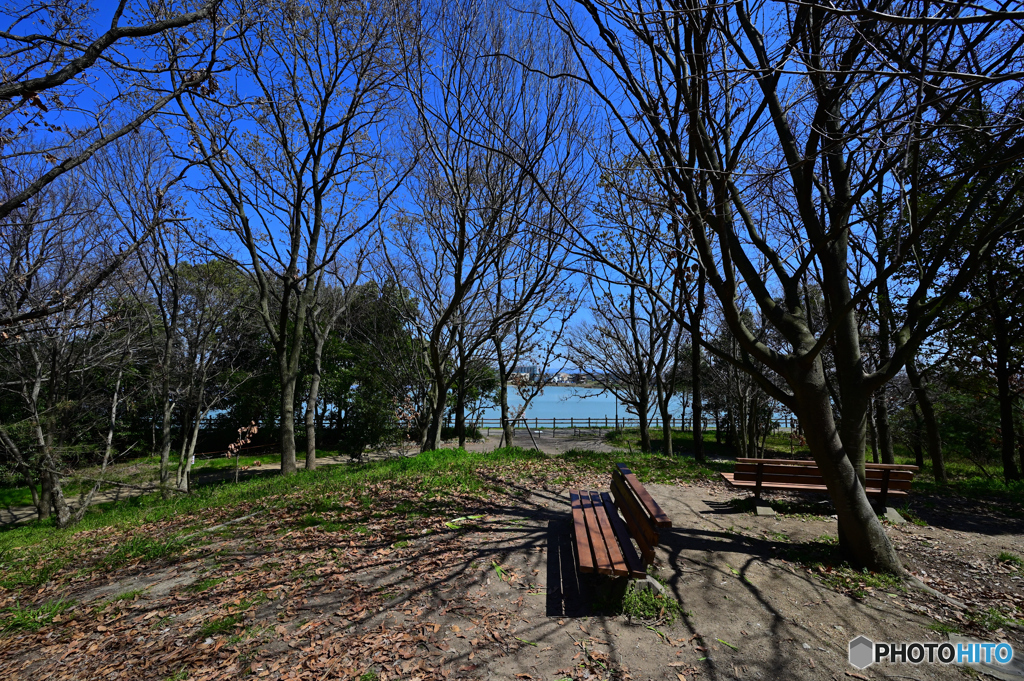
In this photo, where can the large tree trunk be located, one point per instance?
(165, 439)
(287, 428)
(435, 424)
(506, 426)
(933, 440)
(861, 535)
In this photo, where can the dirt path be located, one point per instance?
(425, 599)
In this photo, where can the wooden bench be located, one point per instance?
(603, 539)
(882, 480)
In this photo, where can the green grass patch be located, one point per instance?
(141, 549)
(682, 442)
(205, 584)
(221, 625)
(649, 468)
(943, 628)
(32, 617)
(858, 584)
(228, 463)
(127, 596)
(36, 553)
(1010, 559)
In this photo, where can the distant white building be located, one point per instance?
(561, 378)
(528, 371)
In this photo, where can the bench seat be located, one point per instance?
(603, 539)
(881, 480)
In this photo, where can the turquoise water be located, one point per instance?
(571, 405)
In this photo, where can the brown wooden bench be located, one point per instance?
(603, 539)
(882, 480)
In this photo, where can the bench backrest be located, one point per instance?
(878, 476)
(641, 512)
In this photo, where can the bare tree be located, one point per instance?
(769, 121)
(63, 99)
(297, 156)
(498, 147)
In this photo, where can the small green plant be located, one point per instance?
(777, 536)
(219, 626)
(141, 548)
(401, 544)
(990, 619)
(910, 516)
(31, 618)
(368, 676)
(1011, 559)
(943, 628)
(205, 584)
(179, 675)
(645, 604)
(127, 596)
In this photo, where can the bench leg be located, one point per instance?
(615, 591)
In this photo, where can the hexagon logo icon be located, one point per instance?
(862, 652)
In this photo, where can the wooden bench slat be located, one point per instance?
(654, 512)
(633, 564)
(813, 470)
(870, 491)
(750, 472)
(636, 519)
(808, 462)
(639, 524)
(583, 551)
(618, 564)
(769, 479)
(602, 562)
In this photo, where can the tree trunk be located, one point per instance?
(165, 440)
(696, 317)
(287, 427)
(666, 422)
(873, 438)
(862, 537)
(933, 440)
(311, 400)
(460, 409)
(26, 472)
(506, 427)
(643, 408)
(918, 435)
(883, 433)
(435, 424)
(1003, 377)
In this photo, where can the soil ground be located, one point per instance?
(490, 591)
